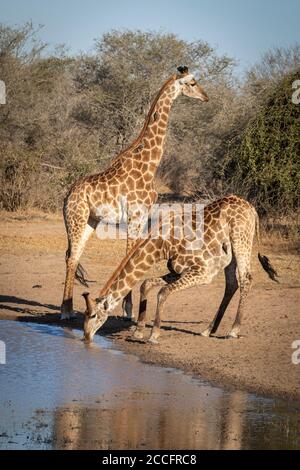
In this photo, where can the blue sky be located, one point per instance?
(243, 29)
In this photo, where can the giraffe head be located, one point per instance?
(96, 314)
(188, 86)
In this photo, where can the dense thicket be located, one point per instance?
(265, 164)
(68, 116)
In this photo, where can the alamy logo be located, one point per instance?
(2, 352)
(296, 354)
(2, 92)
(178, 221)
(296, 94)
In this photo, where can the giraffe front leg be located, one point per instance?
(67, 303)
(127, 304)
(145, 288)
(188, 279)
(127, 307)
(135, 224)
(77, 241)
(138, 333)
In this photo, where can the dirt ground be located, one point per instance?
(32, 250)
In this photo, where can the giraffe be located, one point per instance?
(228, 232)
(128, 182)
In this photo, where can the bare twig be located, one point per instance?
(52, 166)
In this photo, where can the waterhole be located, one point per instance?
(58, 393)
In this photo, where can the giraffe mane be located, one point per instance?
(165, 85)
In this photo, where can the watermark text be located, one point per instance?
(296, 353)
(2, 352)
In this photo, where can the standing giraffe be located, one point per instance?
(129, 178)
(229, 227)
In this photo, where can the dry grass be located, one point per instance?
(28, 215)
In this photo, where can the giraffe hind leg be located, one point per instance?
(245, 285)
(243, 258)
(230, 289)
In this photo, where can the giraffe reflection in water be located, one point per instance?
(153, 423)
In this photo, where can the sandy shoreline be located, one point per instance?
(32, 254)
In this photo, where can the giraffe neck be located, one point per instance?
(157, 122)
(148, 147)
(132, 269)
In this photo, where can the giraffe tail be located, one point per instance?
(264, 260)
(80, 272)
(80, 275)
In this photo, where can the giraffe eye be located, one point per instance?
(193, 84)
(93, 316)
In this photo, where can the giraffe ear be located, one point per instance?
(183, 69)
(104, 302)
(108, 302)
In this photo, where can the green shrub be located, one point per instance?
(264, 166)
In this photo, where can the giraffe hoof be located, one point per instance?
(206, 333)
(232, 335)
(138, 334)
(127, 311)
(128, 318)
(153, 341)
(68, 316)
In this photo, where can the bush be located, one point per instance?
(67, 116)
(265, 165)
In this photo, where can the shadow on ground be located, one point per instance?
(113, 325)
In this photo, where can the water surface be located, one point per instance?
(58, 393)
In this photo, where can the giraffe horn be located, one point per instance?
(89, 304)
(183, 69)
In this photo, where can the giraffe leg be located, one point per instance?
(127, 306)
(189, 278)
(245, 278)
(77, 241)
(137, 220)
(145, 288)
(127, 303)
(230, 289)
(135, 224)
